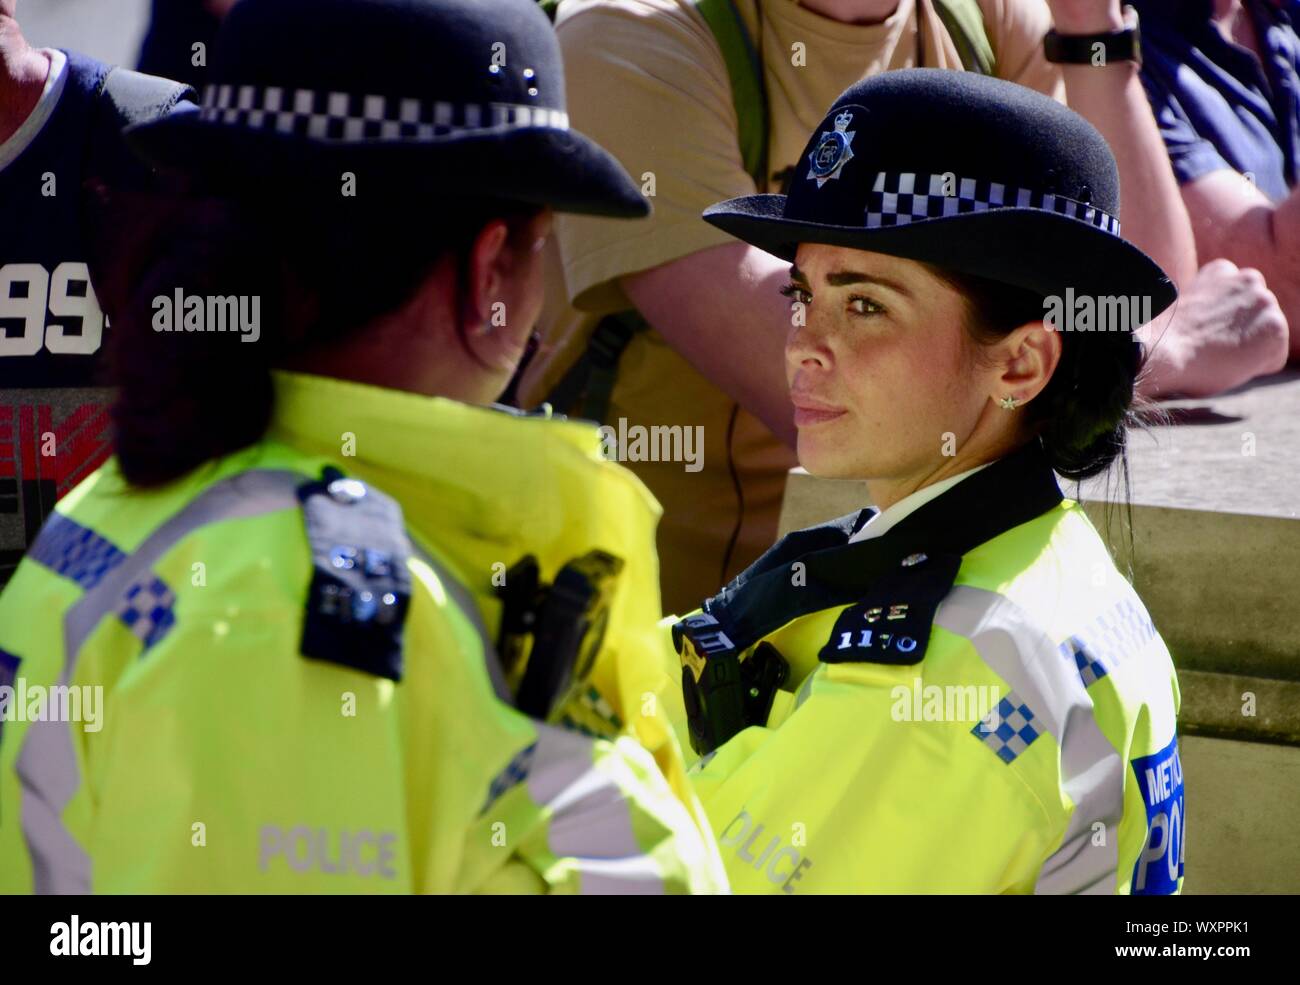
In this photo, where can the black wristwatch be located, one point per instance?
(1081, 49)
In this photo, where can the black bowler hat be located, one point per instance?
(428, 98)
(963, 171)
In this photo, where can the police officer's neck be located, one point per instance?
(23, 71)
(420, 348)
(852, 11)
(886, 491)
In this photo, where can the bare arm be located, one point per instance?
(720, 308)
(1231, 218)
(1112, 99)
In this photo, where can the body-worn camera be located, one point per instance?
(725, 690)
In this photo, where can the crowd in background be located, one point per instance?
(1207, 145)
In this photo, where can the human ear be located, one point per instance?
(1030, 355)
(487, 267)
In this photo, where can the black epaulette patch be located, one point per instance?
(891, 624)
(360, 586)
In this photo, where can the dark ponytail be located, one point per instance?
(320, 269)
(1088, 406)
(183, 398)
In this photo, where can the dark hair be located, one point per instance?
(1083, 414)
(321, 269)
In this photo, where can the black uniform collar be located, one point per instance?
(760, 600)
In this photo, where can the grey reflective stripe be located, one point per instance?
(47, 772)
(1092, 771)
(47, 763)
(591, 820)
(464, 601)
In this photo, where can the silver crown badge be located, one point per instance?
(832, 150)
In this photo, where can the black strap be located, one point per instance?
(585, 389)
(1011, 491)
(743, 57)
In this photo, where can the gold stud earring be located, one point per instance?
(1008, 402)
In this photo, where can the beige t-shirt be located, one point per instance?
(646, 79)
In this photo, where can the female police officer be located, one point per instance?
(298, 693)
(981, 701)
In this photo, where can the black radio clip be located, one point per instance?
(550, 635)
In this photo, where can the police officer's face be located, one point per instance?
(883, 376)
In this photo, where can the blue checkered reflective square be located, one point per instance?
(1010, 730)
(515, 772)
(76, 552)
(146, 608)
(1089, 667)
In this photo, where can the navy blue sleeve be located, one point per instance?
(1190, 154)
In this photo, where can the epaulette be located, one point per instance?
(360, 587)
(891, 623)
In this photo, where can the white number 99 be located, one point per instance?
(45, 291)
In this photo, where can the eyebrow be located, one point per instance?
(843, 278)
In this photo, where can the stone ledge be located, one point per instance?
(1242, 800)
(1232, 453)
(1213, 707)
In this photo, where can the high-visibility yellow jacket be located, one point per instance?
(965, 712)
(196, 703)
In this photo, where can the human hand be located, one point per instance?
(1226, 328)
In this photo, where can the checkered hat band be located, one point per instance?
(896, 199)
(344, 116)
